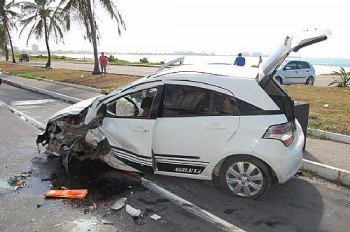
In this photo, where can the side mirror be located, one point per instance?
(286, 68)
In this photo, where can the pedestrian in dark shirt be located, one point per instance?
(240, 60)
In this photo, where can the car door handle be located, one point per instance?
(216, 126)
(140, 129)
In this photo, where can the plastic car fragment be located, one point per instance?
(69, 193)
(119, 204)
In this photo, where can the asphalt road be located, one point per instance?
(302, 204)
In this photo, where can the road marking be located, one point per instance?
(32, 102)
(192, 208)
(24, 117)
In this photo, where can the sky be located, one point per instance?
(223, 27)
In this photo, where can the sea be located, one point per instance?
(321, 65)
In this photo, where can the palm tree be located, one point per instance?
(83, 12)
(8, 17)
(44, 20)
(3, 41)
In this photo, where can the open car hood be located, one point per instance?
(293, 43)
(73, 109)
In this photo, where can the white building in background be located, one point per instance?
(15, 49)
(35, 48)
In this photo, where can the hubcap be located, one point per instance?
(310, 81)
(244, 179)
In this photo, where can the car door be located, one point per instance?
(128, 130)
(193, 127)
(304, 72)
(290, 73)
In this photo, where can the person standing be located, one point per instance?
(260, 61)
(240, 60)
(103, 62)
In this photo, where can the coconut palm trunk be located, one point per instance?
(48, 64)
(96, 70)
(9, 36)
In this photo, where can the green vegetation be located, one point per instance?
(8, 18)
(344, 78)
(49, 19)
(44, 21)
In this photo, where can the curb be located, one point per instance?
(72, 85)
(329, 135)
(322, 170)
(43, 91)
(327, 172)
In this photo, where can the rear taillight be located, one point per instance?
(283, 132)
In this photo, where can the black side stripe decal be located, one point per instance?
(177, 156)
(130, 152)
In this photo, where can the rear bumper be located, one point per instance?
(285, 161)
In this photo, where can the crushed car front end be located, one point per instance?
(67, 135)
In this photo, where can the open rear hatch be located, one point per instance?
(291, 43)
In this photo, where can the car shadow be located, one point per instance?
(102, 181)
(294, 206)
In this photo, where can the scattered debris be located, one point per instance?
(108, 222)
(132, 211)
(119, 204)
(15, 182)
(140, 219)
(91, 208)
(155, 217)
(70, 193)
(137, 215)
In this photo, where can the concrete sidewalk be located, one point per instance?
(327, 158)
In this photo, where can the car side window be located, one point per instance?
(291, 65)
(183, 101)
(136, 104)
(303, 65)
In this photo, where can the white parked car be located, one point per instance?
(296, 72)
(233, 125)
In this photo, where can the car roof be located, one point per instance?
(225, 70)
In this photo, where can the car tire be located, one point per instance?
(279, 79)
(216, 181)
(310, 81)
(245, 176)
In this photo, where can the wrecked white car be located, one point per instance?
(234, 125)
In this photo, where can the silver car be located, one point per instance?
(296, 72)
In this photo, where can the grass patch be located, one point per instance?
(329, 106)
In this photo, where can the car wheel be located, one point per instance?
(310, 81)
(216, 181)
(245, 176)
(279, 79)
